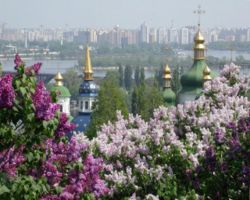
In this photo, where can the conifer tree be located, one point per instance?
(142, 75)
(137, 75)
(128, 77)
(121, 76)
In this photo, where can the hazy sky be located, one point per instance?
(126, 13)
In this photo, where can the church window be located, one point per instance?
(81, 105)
(86, 105)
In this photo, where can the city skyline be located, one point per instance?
(128, 14)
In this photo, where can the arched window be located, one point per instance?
(86, 105)
(81, 107)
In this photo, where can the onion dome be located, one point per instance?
(206, 74)
(167, 73)
(192, 80)
(88, 88)
(199, 46)
(59, 88)
(168, 94)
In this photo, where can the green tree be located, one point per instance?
(145, 99)
(158, 76)
(135, 101)
(128, 77)
(137, 75)
(121, 76)
(72, 81)
(110, 99)
(142, 75)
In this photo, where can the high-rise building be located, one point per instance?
(184, 36)
(144, 33)
(173, 35)
(161, 36)
(214, 36)
(248, 34)
(152, 36)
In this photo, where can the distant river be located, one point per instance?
(53, 66)
(221, 54)
(48, 66)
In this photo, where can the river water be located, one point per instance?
(221, 54)
(53, 66)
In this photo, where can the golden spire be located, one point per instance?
(206, 74)
(88, 72)
(59, 79)
(167, 76)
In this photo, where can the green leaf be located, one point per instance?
(23, 91)
(4, 189)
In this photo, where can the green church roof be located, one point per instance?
(194, 77)
(169, 97)
(64, 92)
(58, 86)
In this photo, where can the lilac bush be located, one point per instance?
(37, 160)
(196, 150)
(199, 150)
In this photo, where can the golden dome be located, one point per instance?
(198, 38)
(59, 79)
(167, 73)
(199, 46)
(206, 74)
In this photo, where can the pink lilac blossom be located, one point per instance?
(200, 122)
(7, 93)
(44, 108)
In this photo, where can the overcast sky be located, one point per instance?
(126, 13)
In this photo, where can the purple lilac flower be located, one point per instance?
(64, 126)
(45, 109)
(36, 67)
(51, 173)
(7, 93)
(223, 167)
(10, 159)
(50, 197)
(246, 175)
(244, 125)
(219, 136)
(234, 144)
(33, 69)
(18, 61)
(210, 159)
(231, 125)
(82, 180)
